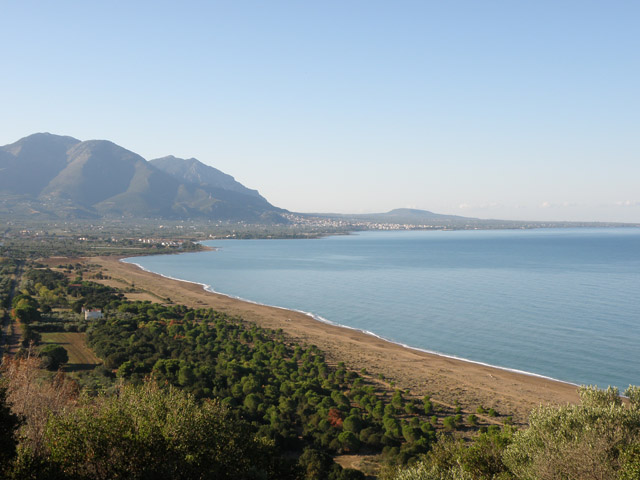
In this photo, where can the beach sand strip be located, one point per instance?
(449, 381)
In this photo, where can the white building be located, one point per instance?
(92, 314)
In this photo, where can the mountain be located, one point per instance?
(194, 171)
(219, 184)
(60, 176)
(27, 166)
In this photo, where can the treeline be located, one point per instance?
(288, 393)
(45, 245)
(54, 432)
(8, 268)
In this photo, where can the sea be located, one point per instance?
(559, 303)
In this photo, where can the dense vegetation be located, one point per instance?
(290, 394)
(193, 393)
(8, 268)
(287, 395)
(596, 440)
(44, 244)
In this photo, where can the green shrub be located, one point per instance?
(53, 356)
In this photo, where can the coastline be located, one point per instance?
(449, 380)
(318, 318)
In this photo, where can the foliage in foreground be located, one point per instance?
(284, 401)
(143, 432)
(598, 439)
(149, 432)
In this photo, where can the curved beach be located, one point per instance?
(447, 380)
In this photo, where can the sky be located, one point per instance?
(507, 109)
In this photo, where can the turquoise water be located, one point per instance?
(562, 303)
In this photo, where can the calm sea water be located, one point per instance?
(562, 303)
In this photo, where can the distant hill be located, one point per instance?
(423, 219)
(45, 177)
(55, 176)
(406, 216)
(413, 216)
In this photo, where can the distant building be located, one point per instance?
(92, 314)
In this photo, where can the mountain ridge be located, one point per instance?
(101, 178)
(194, 171)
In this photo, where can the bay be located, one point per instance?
(561, 303)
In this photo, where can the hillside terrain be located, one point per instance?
(45, 177)
(52, 176)
(157, 388)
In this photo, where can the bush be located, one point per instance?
(593, 440)
(149, 432)
(449, 423)
(8, 425)
(352, 424)
(315, 464)
(349, 441)
(53, 356)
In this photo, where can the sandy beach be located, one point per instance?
(447, 380)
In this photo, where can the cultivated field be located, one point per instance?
(80, 356)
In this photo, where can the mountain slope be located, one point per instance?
(96, 170)
(46, 173)
(194, 171)
(28, 165)
(217, 184)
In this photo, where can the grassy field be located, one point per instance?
(81, 357)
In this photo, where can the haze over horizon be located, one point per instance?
(526, 111)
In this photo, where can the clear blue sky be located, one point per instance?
(497, 109)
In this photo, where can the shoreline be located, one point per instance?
(318, 318)
(449, 380)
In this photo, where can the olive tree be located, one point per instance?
(597, 439)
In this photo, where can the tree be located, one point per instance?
(597, 439)
(150, 432)
(352, 423)
(53, 356)
(397, 399)
(186, 376)
(29, 336)
(26, 313)
(315, 464)
(8, 424)
(34, 400)
(449, 423)
(453, 459)
(349, 441)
